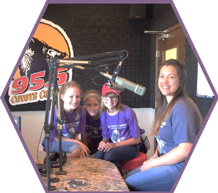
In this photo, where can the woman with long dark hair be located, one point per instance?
(176, 126)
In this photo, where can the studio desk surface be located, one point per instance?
(88, 174)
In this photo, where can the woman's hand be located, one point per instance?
(146, 165)
(176, 155)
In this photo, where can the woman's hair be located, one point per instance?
(163, 108)
(67, 85)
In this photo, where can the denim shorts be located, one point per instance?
(67, 146)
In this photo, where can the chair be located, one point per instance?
(134, 163)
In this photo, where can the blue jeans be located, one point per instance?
(119, 154)
(155, 179)
(67, 146)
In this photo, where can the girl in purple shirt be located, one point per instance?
(93, 135)
(75, 119)
(120, 130)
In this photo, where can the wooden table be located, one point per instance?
(89, 174)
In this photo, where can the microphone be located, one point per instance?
(136, 88)
(115, 87)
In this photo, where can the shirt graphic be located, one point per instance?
(69, 130)
(161, 144)
(115, 136)
(117, 132)
(93, 132)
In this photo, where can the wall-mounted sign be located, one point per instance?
(30, 82)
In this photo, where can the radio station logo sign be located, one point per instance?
(30, 82)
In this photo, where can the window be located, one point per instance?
(203, 87)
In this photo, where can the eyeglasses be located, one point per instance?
(110, 97)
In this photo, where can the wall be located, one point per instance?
(32, 123)
(145, 119)
(32, 128)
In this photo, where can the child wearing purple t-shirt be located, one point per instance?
(120, 130)
(74, 116)
(93, 135)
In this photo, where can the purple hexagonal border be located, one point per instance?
(111, 2)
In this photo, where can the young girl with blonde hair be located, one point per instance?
(74, 125)
(93, 135)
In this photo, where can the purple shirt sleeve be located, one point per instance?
(132, 121)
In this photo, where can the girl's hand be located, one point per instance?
(109, 146)
(84, 150)
(102, 145)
